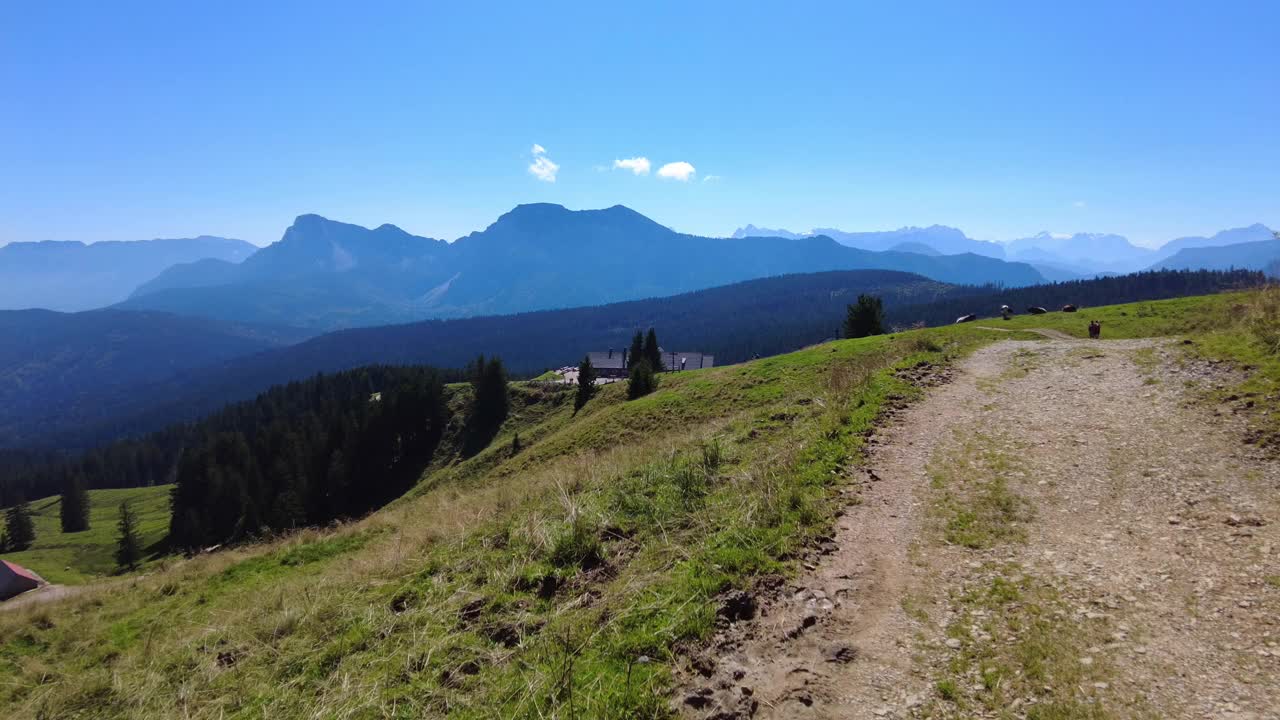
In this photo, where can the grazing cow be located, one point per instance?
(1068, 308)
(1095, 329)
(1036, 310)
(965, 318)
(1005, 311)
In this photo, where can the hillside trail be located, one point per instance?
(1148, 529)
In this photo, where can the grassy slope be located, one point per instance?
(557, 581)
(73, 558)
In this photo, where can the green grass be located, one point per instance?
(563, 581)
(978, 507)
(1034, 646)
(75, 558)
(507, 585)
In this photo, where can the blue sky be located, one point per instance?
(135, 120)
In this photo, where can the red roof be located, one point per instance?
(19, 570)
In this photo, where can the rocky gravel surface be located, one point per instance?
(1143, 547)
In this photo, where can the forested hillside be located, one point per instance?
(763, 317)
(55, 368)
(1151, 285)
(734, 323)
(306, 452)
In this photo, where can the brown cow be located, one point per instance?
(1095, 329)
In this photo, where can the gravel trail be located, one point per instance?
(1147, 528)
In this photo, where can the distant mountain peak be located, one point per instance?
(550, 216)
(753, 231)
(310, 219)
(533, 210)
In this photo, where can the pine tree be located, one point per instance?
(74, 505)
(128, 549)
(652, 352)
(18, 530)
(865, 317)
(642, 380)
(636, 353)
(492, 397)
(586, 383)
(490, 404)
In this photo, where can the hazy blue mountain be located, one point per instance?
(71, 276)
(946, 240)
(942, 239)
(321, 274)
(753, 231)
(55, 368)
(915, 247)
(325, 274)
(1093, 252)
(1055, 272)
(1235, 236)
(1250, 256)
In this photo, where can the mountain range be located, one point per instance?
(1259, 255)
(325, 275)
(71, 276)
(1060, 257)
(942, 240)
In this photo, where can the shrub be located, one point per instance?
(642, 380)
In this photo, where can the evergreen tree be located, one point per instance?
(515, 444)
(74, 505)
(636, 353)
(128, 548)
(490, 403)
(865, 317)
(18, 531)
(642, 380)
(492, 397)
(652, 352)
(586, 383)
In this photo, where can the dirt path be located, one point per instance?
(42, 594)
(1058, 532)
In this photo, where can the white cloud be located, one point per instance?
(542, 167)
(711, 179)
(681, 171)
(637, 165)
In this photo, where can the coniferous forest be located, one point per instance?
(332, 447)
